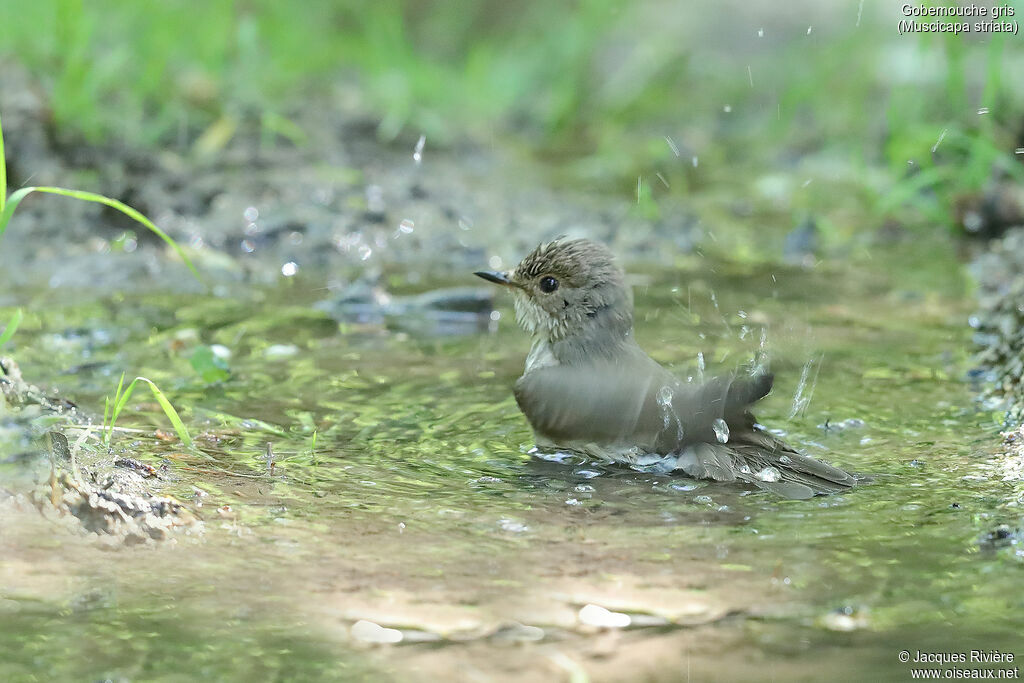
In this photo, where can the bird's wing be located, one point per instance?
(633, 402)
(598, 403)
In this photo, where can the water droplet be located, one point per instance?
(251, 214)
(406, 227)
(809, 30)
(744, 469)
(1019, 150)
(584, 488)
(939, 141)
(672, 145)
(694, 162)
(721, 428)
(769, 474)
(982, 110)
(727, 108)
(494, 262)
(289, 269)
(760, 33)
(785, 460)
(417, 154)
(365, 252)
(805, 385)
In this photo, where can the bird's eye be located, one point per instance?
(548, 284)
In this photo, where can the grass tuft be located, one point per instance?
(112, 409)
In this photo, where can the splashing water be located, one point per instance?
(405, 228)
(417, 153)
(672, 145)
(800, 401)
(718, 310)
(669, 414)
(721, 428)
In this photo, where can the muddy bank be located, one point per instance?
(341, 203)
(999, 324)
(87, 489)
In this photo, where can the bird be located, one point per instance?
(588, 387)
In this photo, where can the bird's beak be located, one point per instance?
(496, 278)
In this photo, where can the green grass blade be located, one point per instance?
(16, 197)
(121, 399)
(12, 327)
(169, 411)
(117, 405)
(110, 408)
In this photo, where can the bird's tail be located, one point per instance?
(756, 457)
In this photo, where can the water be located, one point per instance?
(418, 515)
(721, 430)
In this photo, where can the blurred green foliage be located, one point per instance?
(594, 86)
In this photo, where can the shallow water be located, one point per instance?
(419, 507)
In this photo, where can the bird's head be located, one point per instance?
(567, 288)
